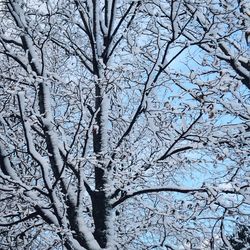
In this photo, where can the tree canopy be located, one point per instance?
(124, 124)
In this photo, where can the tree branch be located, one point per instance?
(30, 216)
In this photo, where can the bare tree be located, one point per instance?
(123, 124)
(224, 42)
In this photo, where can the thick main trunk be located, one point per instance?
(100, 200)
(101, 216)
